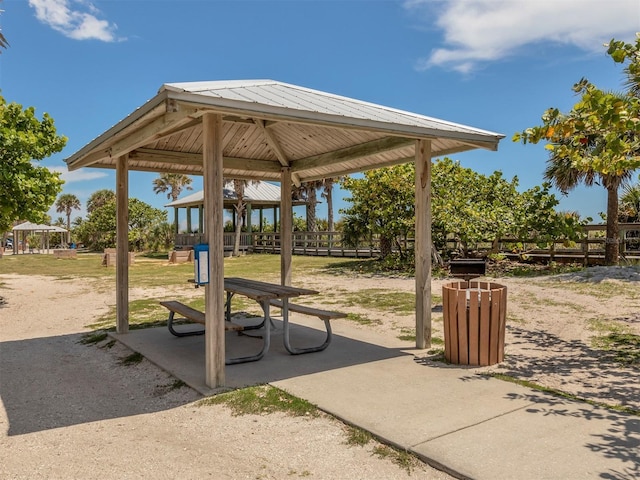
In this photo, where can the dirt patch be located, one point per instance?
(72, 410)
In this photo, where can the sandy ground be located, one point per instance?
(551, 322)
(72, 411)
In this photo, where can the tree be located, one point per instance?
(66, 203)
(327, 194)
(99, 229)
(172, 183)
(308, 191)
(27, 190)
(630, 204)
(465, 204)
(240, 207)
(99, 198)
(598, 140)
(382, 203)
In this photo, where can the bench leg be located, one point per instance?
(297, 351)
(266, 339)
(181, 334)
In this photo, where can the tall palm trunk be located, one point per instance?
(68, 212)
(612, 244)
(312, 201)
(328, 194)
(238, 186)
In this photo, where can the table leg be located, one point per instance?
(285, 333)
(266, 339)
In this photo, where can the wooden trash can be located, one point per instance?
(475, 316)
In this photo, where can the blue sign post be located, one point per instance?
(201, 263)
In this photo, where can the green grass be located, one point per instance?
(132, 359)
(622, 345)
(362, 320)
(261, 400)
(93, 338)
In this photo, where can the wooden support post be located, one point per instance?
(286, 226)
(189, 227)
(122, 245)
(214, 226)
(423, 244)
(176, 224)
(261, 220)
(200, 219)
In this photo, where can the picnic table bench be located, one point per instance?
(193, 315)
(325, 315)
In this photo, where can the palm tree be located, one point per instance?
(308, 192)
(172, 183)
(565, 177)
(66, 204)
(240, 207)
(100, 198)
(630, 204)
(327, 194)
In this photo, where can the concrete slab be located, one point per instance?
(469, 425)
(185, 357)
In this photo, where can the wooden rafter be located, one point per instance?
(195, 159)
(275, 146)
(167, 124)
(351, 153)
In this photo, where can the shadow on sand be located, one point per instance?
(55, 382)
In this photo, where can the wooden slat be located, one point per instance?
(463, 328)
(503, 322)
(457, 310)
(317, 312)
(281, 290)
(474, 328)
(495, 326)
(446, 312)
(485, 327)
(196, 315)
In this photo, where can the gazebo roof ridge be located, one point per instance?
(363, 108)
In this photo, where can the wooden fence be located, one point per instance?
(588, 251)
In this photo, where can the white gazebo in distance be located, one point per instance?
(28, 228)
(269, 130)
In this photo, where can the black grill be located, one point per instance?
(467, 268)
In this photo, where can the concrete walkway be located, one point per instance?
(466, 424)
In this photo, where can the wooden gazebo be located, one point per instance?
(268, 130)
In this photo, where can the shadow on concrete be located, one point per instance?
(184, 357)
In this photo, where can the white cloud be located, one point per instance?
(76, 19)
(80, 175)
(478, 31)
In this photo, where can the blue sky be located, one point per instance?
(491, 64)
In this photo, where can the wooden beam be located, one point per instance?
(122, 246)
(423, 244)
(167, 124)
(275, 146)
(286, 227)
(214, 290)
(351, 153)
(195, 159)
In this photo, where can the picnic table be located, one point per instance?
(264, 294)
(267, 295)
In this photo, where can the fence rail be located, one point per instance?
(588, 251)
